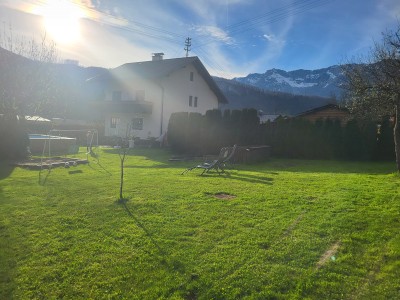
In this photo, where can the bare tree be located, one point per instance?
(26, 79)
(122, 156)
(373, 86)
(123, 151)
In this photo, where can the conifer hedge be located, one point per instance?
(196, 134)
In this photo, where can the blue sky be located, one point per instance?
(231, 37)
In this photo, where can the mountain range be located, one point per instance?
(241, 95)
(322, 82)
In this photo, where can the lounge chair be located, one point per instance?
(224, 157)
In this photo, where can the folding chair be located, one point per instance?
(225, 155)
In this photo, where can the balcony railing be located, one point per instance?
(138, 107)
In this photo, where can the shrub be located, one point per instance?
(14, 139)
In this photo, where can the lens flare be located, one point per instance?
(62, 20)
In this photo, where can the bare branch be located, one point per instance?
(26, 80)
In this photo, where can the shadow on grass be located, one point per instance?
(154, 154)
(161, 157)
(123, 202)
(172, 265)
(252, 178)
(75, 172)
(239, 176)
(152, 167)
(43, 175)
(8, 260)
(102, 168)
(325, 166)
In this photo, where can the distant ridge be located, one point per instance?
(7, 56)
(241, 95)
(322, 82)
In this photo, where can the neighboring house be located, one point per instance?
(143, 95)
(329, 111)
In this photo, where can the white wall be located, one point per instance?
(151, 123)
(175, 90)
(178, 88)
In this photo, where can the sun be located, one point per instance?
(62, 20)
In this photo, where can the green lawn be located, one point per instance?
(291, 229)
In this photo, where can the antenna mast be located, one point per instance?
(188, 43)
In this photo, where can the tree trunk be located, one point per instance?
(122, 175)
(396, 134)
(122, 180)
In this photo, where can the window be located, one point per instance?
(195, 102)
(190, 101)
(140, 95)
(114, 122)
(137, 123)
(191, 76)
(117, 96)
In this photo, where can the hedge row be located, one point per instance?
(197, 134)
(193, 133)
(328, 139)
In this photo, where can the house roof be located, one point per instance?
(161, 68)
(321, 108)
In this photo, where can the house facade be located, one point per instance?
(142, 96)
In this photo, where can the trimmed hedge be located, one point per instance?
(196, 134)
(327, 139)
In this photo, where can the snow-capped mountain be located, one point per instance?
(241, 95)
(322, 82)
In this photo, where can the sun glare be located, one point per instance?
(62, 20)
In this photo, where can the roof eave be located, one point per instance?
(209, 80)
(320, 108)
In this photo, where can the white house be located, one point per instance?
(145, 94)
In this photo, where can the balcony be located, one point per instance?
(129, 107)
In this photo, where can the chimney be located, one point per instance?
(157, 56)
